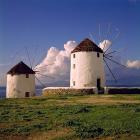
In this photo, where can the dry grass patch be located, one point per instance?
(105, 99)
(51, 134)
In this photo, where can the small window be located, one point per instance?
(98, 55)
(73, 55)
(73, 66)
(27, 94)
(73, 83)
(27, 75)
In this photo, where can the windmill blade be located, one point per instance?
(34, 57)
(41, 58)
(43, 66)
(28, 56)
(117, 35)
(110, 53)
(108, 31)
(40, 82)
(119, 50)
(110, 71)
(45, 75)
(115, 62)
(99, 33)
(106, 50)
(16, 54)
(91, 36)
(104, 45)
(40, 70)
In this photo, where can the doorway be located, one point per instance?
(27, 94)
(98, 83)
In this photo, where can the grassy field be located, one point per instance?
(71, 118)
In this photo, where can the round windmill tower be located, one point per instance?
(87, 66)
(20, 81)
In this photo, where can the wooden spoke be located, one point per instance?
(110, 70)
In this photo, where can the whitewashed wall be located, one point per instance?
(88, 67)
(17, 85)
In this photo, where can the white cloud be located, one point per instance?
(105, 44)
(133, 64)
(58, 62)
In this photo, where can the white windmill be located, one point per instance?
(87, 66)
(21, 80)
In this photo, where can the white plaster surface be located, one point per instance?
(88, 68)
(18, 85)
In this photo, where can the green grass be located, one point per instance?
(126, 96)
(24, 117)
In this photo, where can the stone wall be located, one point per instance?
(117, 90)
(68, 91)
(87, 91)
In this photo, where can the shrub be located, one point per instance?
(137, 109)
(72, 123)
(84, 109)
(88, 131)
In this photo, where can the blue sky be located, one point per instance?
(45, 23)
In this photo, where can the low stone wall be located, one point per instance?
(61, 91)
(123, 90)
(92, 90)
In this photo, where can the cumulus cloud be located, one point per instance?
(133, 64)
(105, 44)
(58, 62)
